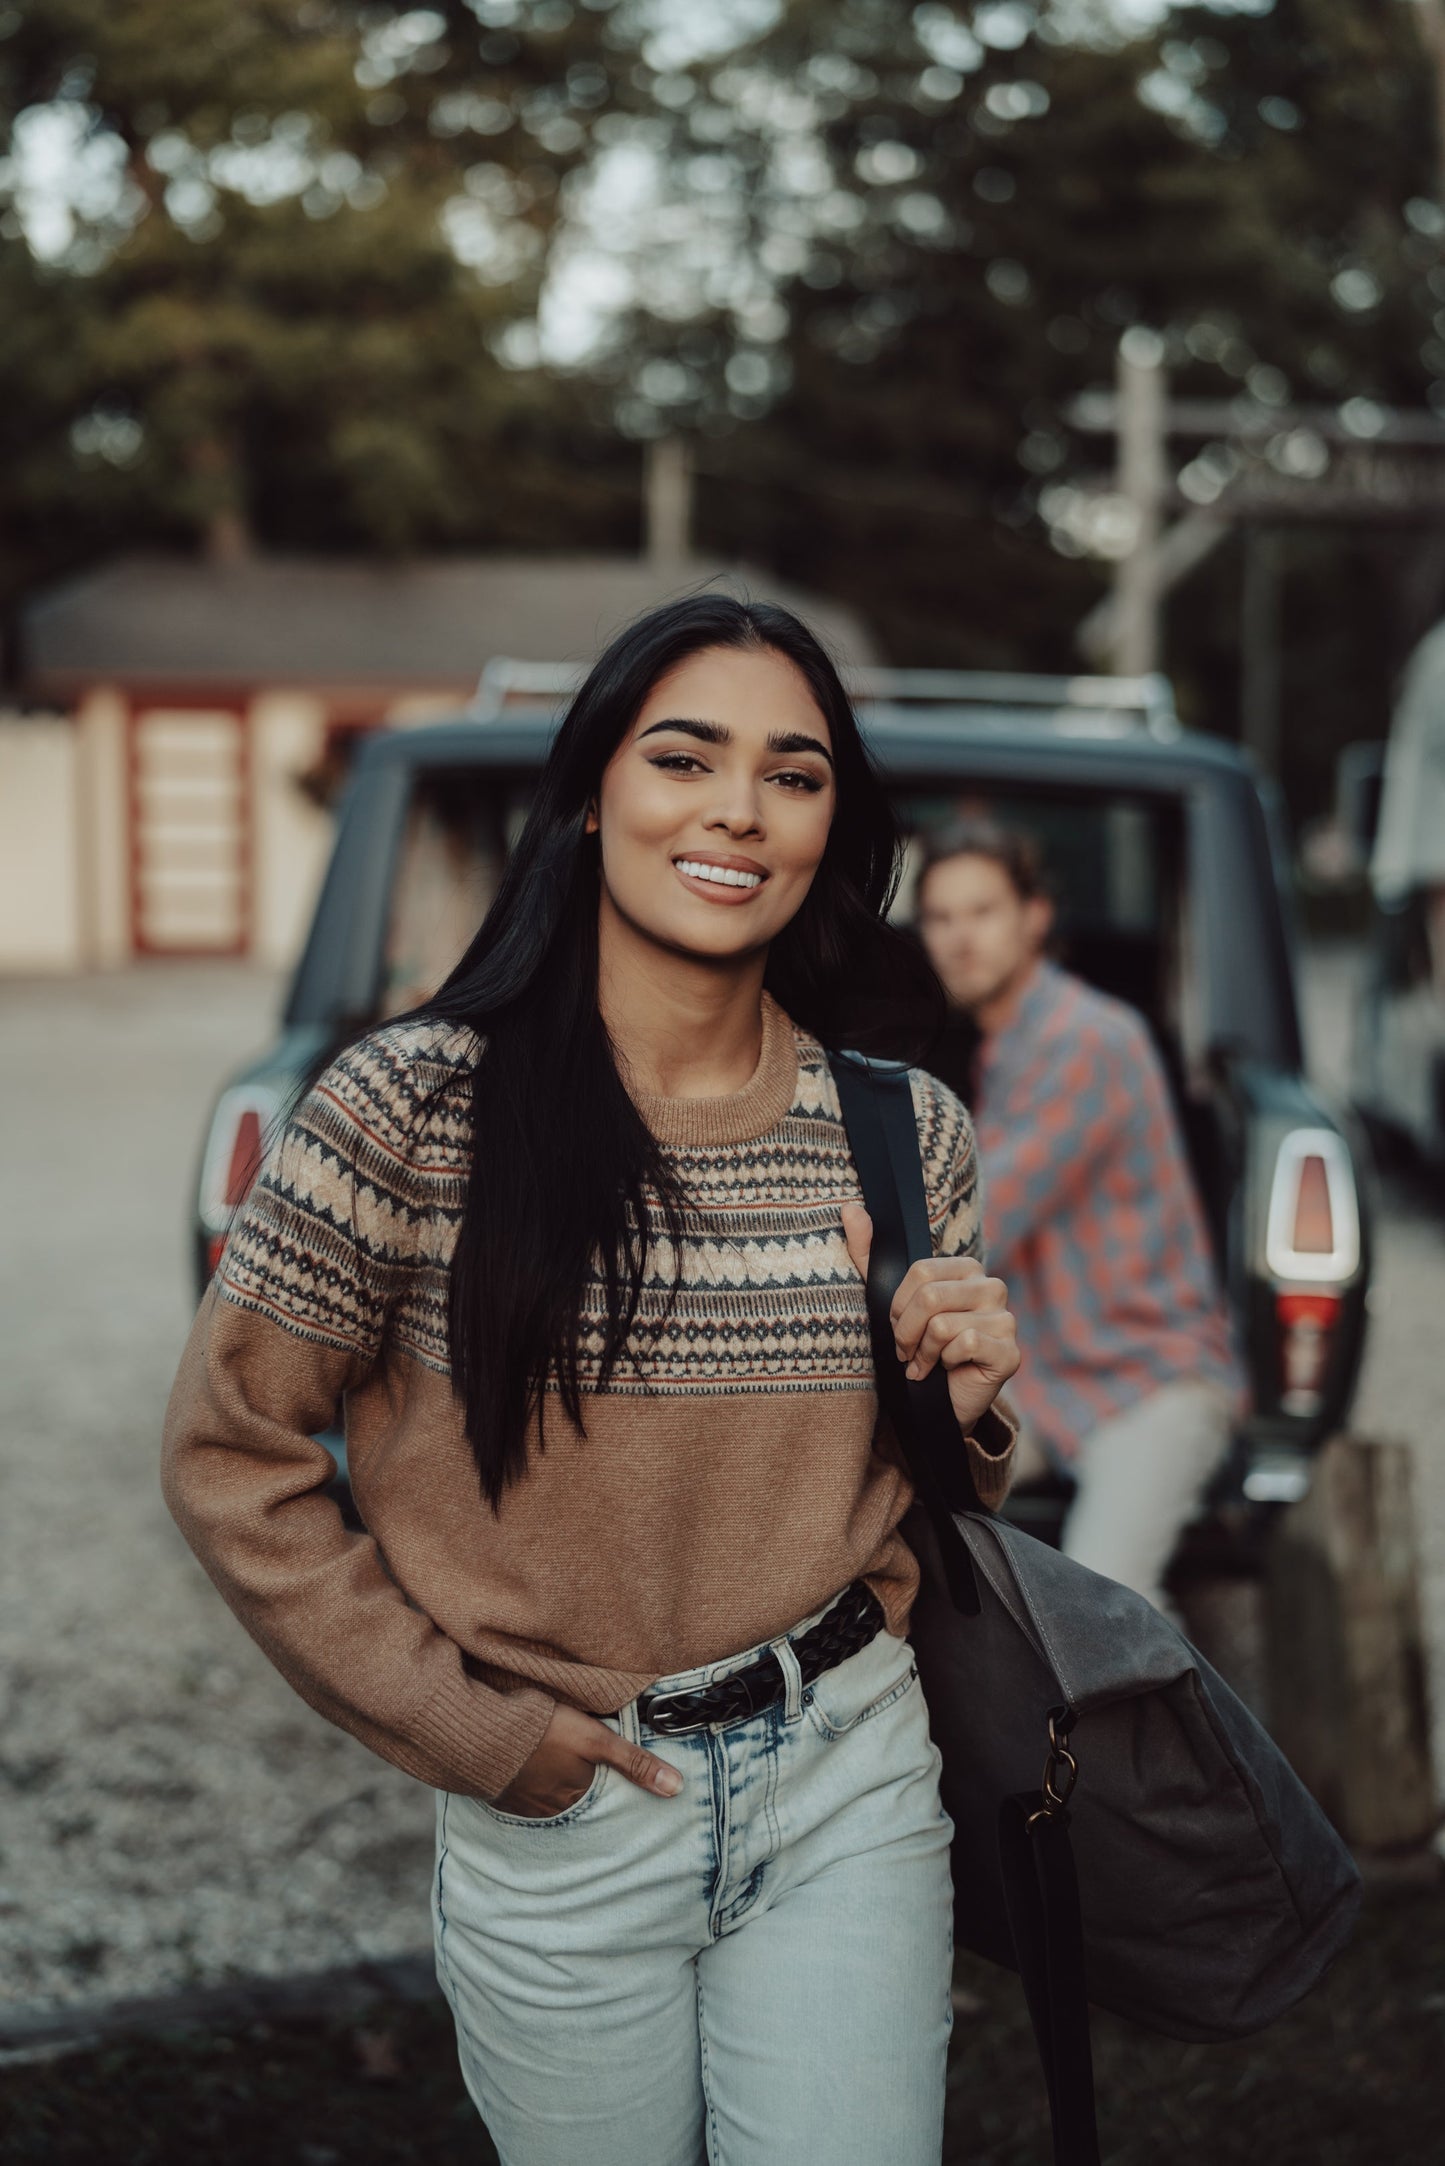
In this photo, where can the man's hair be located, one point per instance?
(977, 836)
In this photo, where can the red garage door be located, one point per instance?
(190, 830)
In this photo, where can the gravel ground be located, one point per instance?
(154, 1771)
(1350, 2077)
(169, 1811)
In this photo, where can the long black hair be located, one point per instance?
(562, 1162)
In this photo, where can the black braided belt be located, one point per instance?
(855, 1618)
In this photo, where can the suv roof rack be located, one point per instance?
(1111, 704)
(1073, 705)
(507, 682)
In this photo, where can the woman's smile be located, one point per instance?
(720, 879)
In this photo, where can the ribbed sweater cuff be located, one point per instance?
(990, 1447)
(476, 1739)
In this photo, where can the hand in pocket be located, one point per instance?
(559, 1769)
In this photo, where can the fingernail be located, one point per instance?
(670, 1781)
(913, 1371)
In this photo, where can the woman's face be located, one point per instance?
(713, 813)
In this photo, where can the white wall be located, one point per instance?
(65, 901)
(102, 865)
(40, 926)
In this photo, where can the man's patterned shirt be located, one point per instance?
(1090, 1214)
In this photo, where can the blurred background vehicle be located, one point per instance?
(1167, 873)
(1395, 794)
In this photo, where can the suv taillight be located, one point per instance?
(1306, 1329)
(1313, 1229)
(245, 1161)
(234, 1153)
(1314, 1218)
(1312, 1249)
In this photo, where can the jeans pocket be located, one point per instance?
(855, 1690)
(564, 1818)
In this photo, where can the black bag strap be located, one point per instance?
(1036, 1856)
(1041, 1894)
(875, 1096)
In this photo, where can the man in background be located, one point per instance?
(1129, 1382)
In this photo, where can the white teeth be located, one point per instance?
(721, 875)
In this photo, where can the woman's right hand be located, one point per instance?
(558, 1769)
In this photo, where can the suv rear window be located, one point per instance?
(1114, 865)
(459, 826)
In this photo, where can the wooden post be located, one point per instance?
(1345, 1646)
(1224, 1617)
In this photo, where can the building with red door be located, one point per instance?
(165, 786)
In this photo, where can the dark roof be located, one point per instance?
(411, 624)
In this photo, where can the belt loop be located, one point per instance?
(631, 1726)
(792, 1678)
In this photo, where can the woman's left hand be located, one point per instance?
(947, 1309)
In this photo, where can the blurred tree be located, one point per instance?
(1323, 124)
(1320, 121)
(43, 392)
(273, 268)
(947, 214)
(993, 211)
(270, 267)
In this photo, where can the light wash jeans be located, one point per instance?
(755, 1972)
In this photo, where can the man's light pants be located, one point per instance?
(1141, 1476)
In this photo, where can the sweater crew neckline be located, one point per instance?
(736, 1116)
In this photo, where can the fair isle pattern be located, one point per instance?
(349, 1230)
(359, 1183)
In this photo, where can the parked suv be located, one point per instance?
(1160, 850)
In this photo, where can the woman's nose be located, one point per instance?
(738, 809)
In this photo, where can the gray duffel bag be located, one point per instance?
(1167, 1863)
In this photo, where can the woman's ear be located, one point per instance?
(592, 823)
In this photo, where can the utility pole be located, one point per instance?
(1142, 480)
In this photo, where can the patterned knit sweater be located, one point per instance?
(726, 1485)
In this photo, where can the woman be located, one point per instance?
(578, 1243)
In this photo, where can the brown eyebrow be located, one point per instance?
(715, 733)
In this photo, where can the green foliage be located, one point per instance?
(278, 307)
(894, 242)
(958, 209)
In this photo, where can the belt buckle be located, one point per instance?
(667, 1727)
(737, 1687)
